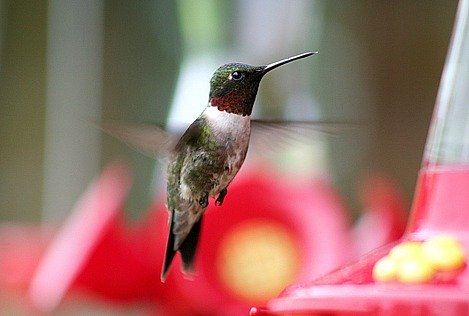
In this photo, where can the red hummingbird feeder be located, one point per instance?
(440, 216)
(250, 249)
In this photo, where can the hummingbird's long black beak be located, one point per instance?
(279, 63)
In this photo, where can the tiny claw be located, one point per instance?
(204, 201)
(221, 197)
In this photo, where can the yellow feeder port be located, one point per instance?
(257, 260)
(415, 269)
(419, 262)
(385, 270)
(444, 252)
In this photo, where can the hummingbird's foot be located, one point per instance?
(204, 201)
(221, 197)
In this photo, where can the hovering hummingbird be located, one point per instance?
(209, 155)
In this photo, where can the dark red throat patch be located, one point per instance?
(233, 103)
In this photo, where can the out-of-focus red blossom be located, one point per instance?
(98, 252)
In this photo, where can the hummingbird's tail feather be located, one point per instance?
(187, 249)
(170, 252)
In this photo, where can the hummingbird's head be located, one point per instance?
(233, 87)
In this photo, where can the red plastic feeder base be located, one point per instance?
(441, 206)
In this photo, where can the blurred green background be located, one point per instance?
(65, 65)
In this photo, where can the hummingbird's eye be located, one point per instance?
(237, 75)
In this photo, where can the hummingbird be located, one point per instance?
(209, 154)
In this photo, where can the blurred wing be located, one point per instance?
(148, 139)
(270, 135)
(275, 134)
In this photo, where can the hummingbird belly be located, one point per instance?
(233, 163)
(232, 133)
(206, 168)
(210, 170)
